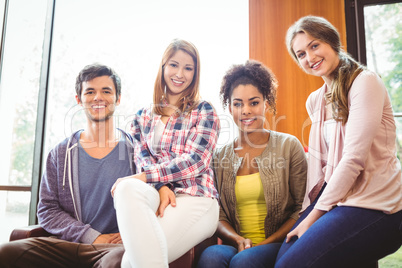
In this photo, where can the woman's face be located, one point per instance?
(314, 56)
(248, 108)
(178, 74)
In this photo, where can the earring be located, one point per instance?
(163, 94)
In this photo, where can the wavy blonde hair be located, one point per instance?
(347, 70)
(191, 95)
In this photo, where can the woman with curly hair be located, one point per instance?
(260, 176)
(352, 210)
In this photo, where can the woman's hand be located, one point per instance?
(314, 215)
(280, 234)
(140, 176)
(167, 197)
(229, 236)
(243, 244)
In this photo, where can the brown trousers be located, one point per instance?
(49, 252)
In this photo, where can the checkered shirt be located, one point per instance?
(186, 148)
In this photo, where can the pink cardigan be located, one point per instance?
(361, 168)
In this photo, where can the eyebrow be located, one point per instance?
(250, 99)
(307, 45)
(192, 65)
(91, 88)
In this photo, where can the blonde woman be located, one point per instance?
(352, 208)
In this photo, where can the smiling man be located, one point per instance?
(75, 203)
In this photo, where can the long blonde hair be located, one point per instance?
(347, 70)
(191, 95)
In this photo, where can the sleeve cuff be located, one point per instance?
(323, 207)
(158, 186)
(89, 236)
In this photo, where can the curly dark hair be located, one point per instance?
(251, 73)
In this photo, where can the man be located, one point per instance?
(75, 202)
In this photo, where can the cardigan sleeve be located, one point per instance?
(366, 101)
(218, 177)
(297, 176)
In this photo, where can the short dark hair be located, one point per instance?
(96, 70)
(251, 73)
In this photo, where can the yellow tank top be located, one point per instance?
(251, 207)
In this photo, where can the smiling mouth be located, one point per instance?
(98, 106)
(247, 121)
(317, 64)
(177, 83)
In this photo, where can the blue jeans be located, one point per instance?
(343, 237)
(227, 256)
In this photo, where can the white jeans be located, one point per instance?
(152, 241)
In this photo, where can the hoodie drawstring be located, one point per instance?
(67, 162)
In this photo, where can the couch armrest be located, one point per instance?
(202, 246)
(191, 257)
(28, 231)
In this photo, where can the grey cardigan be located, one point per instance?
(283, 170)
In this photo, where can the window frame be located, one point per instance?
(41, 110)
(355, 29)
(40, 130)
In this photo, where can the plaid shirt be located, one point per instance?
(186, 148)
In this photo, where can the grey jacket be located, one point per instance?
(283, 170)
(59, 208)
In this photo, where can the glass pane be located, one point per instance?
(132, 39)
(395, 260)
(2, 5)
(14, 208)
(19, 89)
(383, 25)
(398, 121)
(18, 103)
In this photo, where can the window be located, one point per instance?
(130, 36)
(374, 31)
(374, 34)
(383, 34)
(132, 39)
(21, 61)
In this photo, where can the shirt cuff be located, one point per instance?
(158, 186)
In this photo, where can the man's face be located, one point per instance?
(98, 98)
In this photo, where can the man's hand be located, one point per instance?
(167, 197)
(108, 239)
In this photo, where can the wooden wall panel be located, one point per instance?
(269, 21)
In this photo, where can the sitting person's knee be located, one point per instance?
(112, 259)
(9, 252)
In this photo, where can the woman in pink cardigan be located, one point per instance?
(352, 210)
